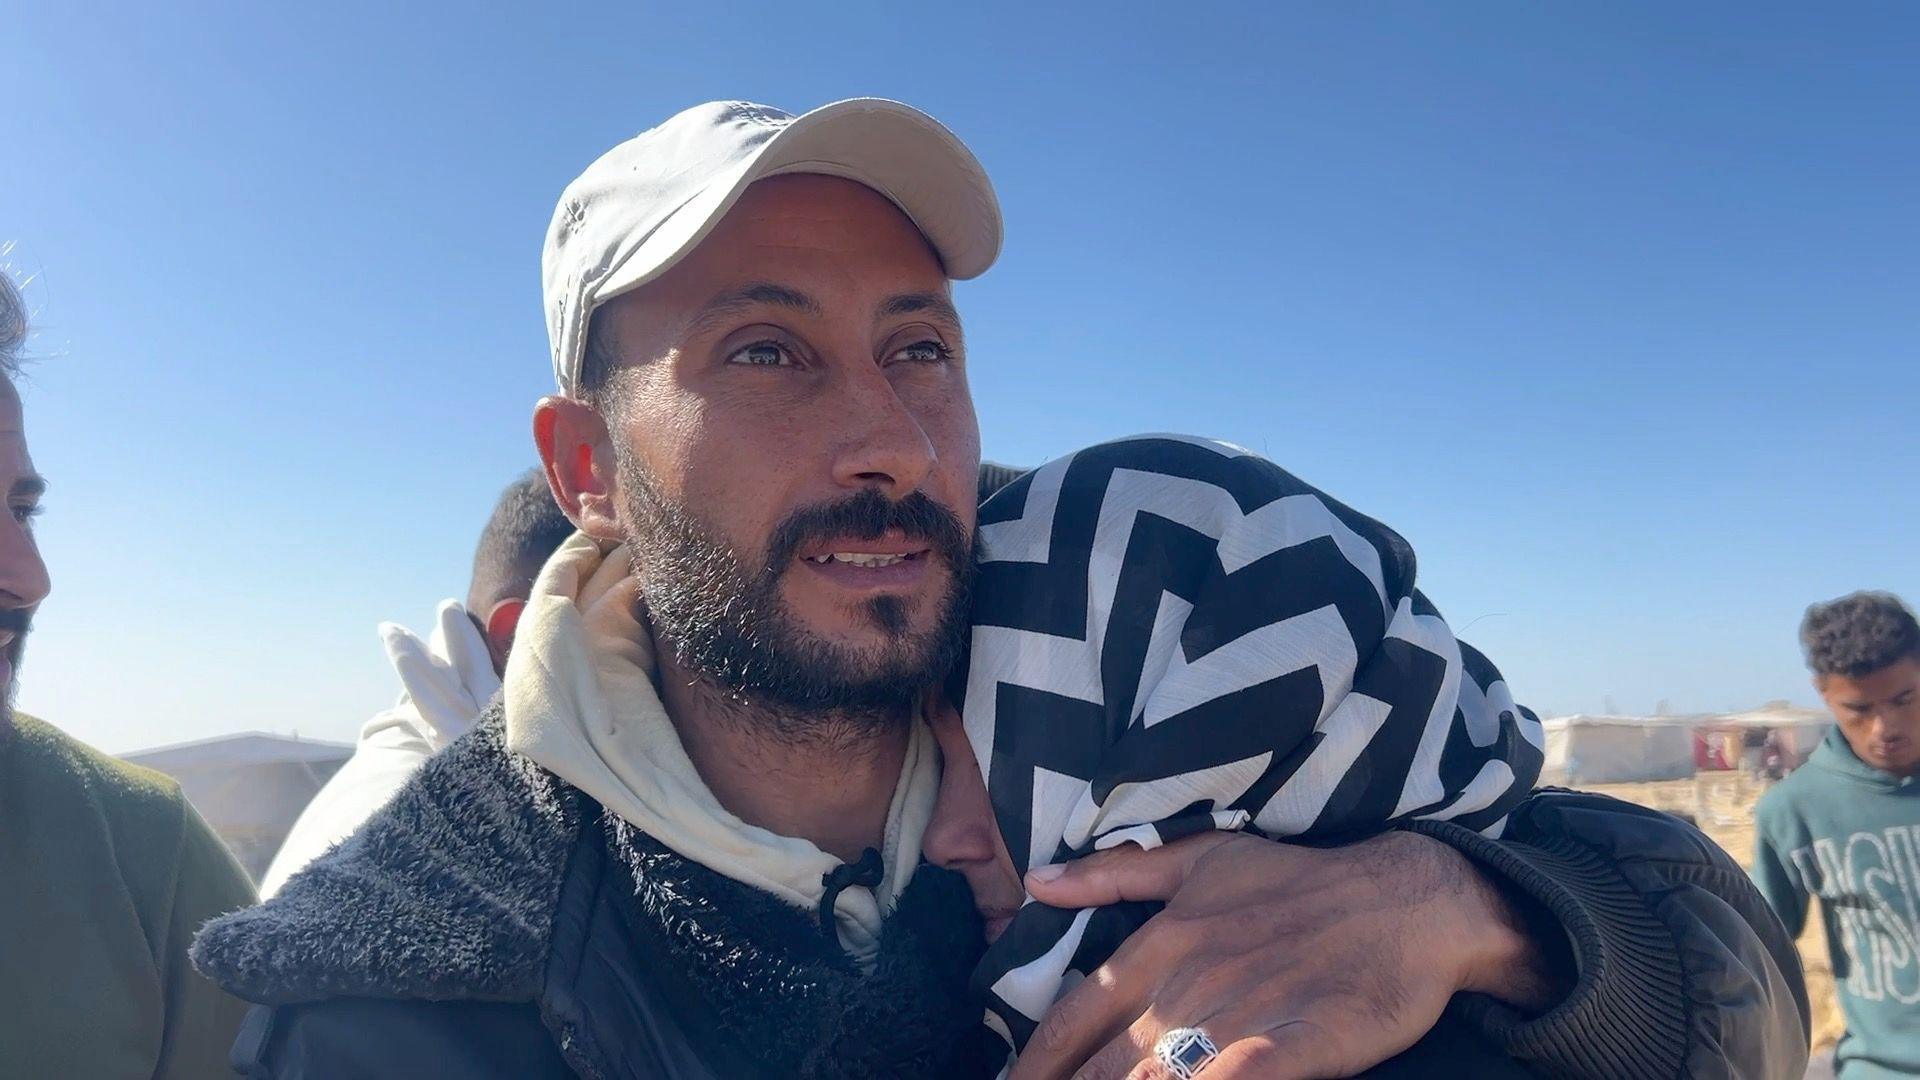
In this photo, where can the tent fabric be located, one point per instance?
(246, 748)
(1797, 731)
(1616, 749)
(1785, 719)
(250, 788)
(1629, 749)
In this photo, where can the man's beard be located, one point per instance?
(728, 623)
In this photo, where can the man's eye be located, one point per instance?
(25, 512)
(763, 354)
(925, 352)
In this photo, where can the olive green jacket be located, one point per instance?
(106, 872)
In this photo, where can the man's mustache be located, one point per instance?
(868, 516)
(16, 621)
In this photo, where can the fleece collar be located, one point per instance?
(580, 701)
(449, 891)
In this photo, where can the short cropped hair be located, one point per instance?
(994, 476)
(525, 528)
(599, 359)
(1859, 634)
(13, 325)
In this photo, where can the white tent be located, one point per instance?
(1800, 730)
(1796, 731)
(1625, 749)
(249, 787)
(1617, 749)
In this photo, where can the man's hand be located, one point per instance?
(1298, 962)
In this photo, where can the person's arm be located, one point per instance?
(201, 1019)
(1679, 967)
(1595, 939)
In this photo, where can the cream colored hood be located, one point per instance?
(580, 701)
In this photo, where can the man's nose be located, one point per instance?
(23, 574)
(952, 842)
(884, 445)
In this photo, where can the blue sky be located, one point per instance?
(1611, 310)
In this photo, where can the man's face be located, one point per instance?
(1879, 714)
(23, 576)
(797, 450)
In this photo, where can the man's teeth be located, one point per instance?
(857, 558)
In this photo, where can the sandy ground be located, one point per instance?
(1723, 807)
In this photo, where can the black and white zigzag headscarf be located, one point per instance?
(1171, 635)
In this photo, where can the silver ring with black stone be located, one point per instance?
(1185, 1051)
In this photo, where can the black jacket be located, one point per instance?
(1680, 969)
(493, 921)
(489, 922)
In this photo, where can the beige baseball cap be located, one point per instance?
(649, 201)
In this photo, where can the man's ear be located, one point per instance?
(577, 453)
(502, 621)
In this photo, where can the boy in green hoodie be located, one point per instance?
(1846, 828)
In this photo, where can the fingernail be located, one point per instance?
(1046, 874)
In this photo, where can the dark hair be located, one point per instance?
(525, 528)
(13, 325)
(599, 358)
(994, 476)
(1859, 634)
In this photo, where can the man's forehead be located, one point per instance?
(718, 297)
(803, 214)
(804, 246)
(1886, 683)
(798, 197)
(795, 296)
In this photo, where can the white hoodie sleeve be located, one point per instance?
(446, 683)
